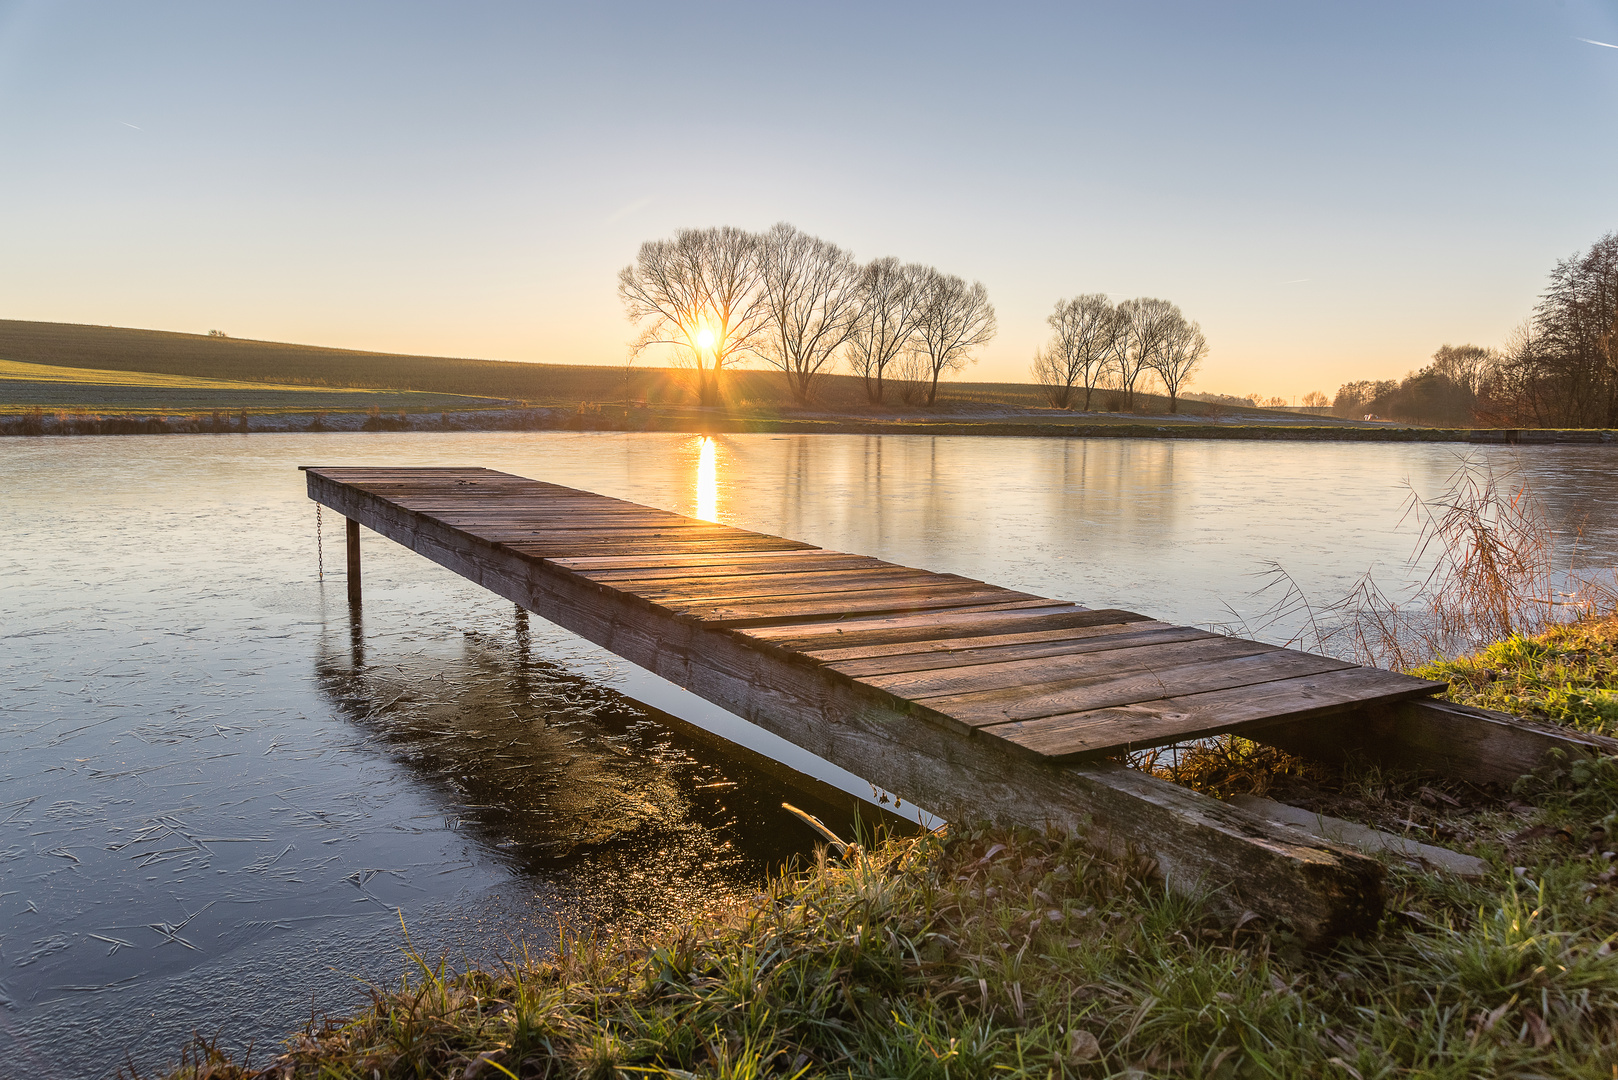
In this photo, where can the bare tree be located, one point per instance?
(1579, 309)
(1316, 399)
(1180, 350)
(1464, 365)
(1143, 322)
(912, 374)
(892, 299)
(1080, 352)
(1511, 394)
(955, 319)
(811, 299)
(699, 294)
(1050, 373)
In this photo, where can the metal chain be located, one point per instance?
(320, 545)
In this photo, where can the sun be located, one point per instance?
(705, 339)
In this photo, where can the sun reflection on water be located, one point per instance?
(707, 480)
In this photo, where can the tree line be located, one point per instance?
(1558, 369)
(801, 304)
(1096, 343)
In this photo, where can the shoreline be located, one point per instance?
(1005, 952)
(998, 423)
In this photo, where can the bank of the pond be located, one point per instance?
(979, 953)
(1007, 421)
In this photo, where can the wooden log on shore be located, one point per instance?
(1456, 741)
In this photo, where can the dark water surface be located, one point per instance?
(220, 793)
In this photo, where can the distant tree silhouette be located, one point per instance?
(892, 301)
(956, 319)
(1464, 365)
(1558, 369)
(1568, 367)
(1443, 393)
(1080, 351)
(700, 294)
(1143, 323)
(1180, 351)
(811, 300)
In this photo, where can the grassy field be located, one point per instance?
(994, 954)
(25, 387)
(198, 356)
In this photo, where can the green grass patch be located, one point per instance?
(25, 387)
(1567, 675)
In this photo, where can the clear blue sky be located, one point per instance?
(1333, 190)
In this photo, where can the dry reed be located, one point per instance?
(1493, 571)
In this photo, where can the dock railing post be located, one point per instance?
(353, 561)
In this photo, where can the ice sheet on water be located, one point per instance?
(195, 724)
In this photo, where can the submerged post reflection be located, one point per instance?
(356, 638)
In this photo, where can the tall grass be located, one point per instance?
(985, 954)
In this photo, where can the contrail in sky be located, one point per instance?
(1603, 44)
(624, 211)
(127, 124)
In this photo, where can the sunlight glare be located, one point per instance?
(705, 343)
(707, 480)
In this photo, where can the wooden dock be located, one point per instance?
(965, 698)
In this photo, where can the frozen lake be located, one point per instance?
(220, 792)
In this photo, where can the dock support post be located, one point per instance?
(356, 639)
(353, 561)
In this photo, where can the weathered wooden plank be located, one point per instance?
(636, 578)
(561, 523)
(548, 522)
(760, 613)
(1025, 680)
(904, 651)
(543, 550)
(591, 566)
(513, 505)
(1199, 843)
(1105, 690)
(627, 543)
(522, 501)
(1168, 720)
(1021, 615)
(762, 585)
(1456, 741)
(954, 660)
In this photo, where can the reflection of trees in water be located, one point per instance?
(569, 779)
(887, 494)
(1123, 484)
